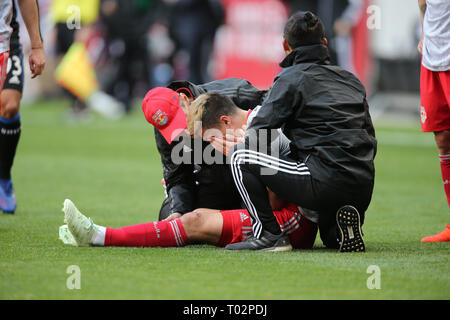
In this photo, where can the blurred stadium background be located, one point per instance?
(139, 44)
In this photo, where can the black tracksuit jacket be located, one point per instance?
(323, 110)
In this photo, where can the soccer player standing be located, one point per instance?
(323, 110)
(435, 87)
(10, 126)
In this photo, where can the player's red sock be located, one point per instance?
(445, 169)
(153, 234)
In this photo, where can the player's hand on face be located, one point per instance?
(226, 144)
(173, 216)
(37, 62)
(241, 132)
(218, 144)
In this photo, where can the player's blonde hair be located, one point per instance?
(207, 109)
(195, 113)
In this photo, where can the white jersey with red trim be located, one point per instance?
(436, 29)
(5, 20)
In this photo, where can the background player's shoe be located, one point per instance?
(82, 228)
(349, 225)
(8, 202)
(267, 242)
(440, 237)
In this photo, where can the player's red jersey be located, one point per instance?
(237, 227)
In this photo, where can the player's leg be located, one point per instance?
(435, 117)
(225, 227)
(292, 181)
(9, 133)
(237, 227)
(10, 103)
(287, 178)
(300, 230)
(199, 226)
(207, 226)
(203, 226)
(442, 139)
(153, 234)
(443, 143)
(10, 129)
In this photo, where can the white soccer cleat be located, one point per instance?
(82, 228)
(65, 236)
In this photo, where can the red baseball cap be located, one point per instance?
(162, 109)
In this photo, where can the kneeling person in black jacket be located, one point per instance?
(322, 109)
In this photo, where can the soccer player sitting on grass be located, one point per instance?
(216, 227)
(207, 226)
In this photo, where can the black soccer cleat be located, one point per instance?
(349, 224)
(267, 242)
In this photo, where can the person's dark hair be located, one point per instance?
(208, 108)
(302, 29)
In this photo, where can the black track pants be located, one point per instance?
(293, 181)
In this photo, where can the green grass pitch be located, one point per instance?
(112, 171)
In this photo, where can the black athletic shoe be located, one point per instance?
(267, 242)
(349, 226)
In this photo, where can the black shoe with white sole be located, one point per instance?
(349, 225)
(267, 242)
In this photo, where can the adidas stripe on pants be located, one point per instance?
(253, 171)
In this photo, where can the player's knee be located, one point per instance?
(10, 108)
(197, 218)
(193, 222)
(442, 139)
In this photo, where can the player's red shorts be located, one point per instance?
(237, 227)
(434, 100)
(3, 70)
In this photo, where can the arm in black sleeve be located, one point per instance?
(241, 91)
(283, 100)
(179, 178)
(188, 88)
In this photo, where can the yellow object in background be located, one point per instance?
(61, 10)
(76, 72)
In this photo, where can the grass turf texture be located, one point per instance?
(112, 171)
